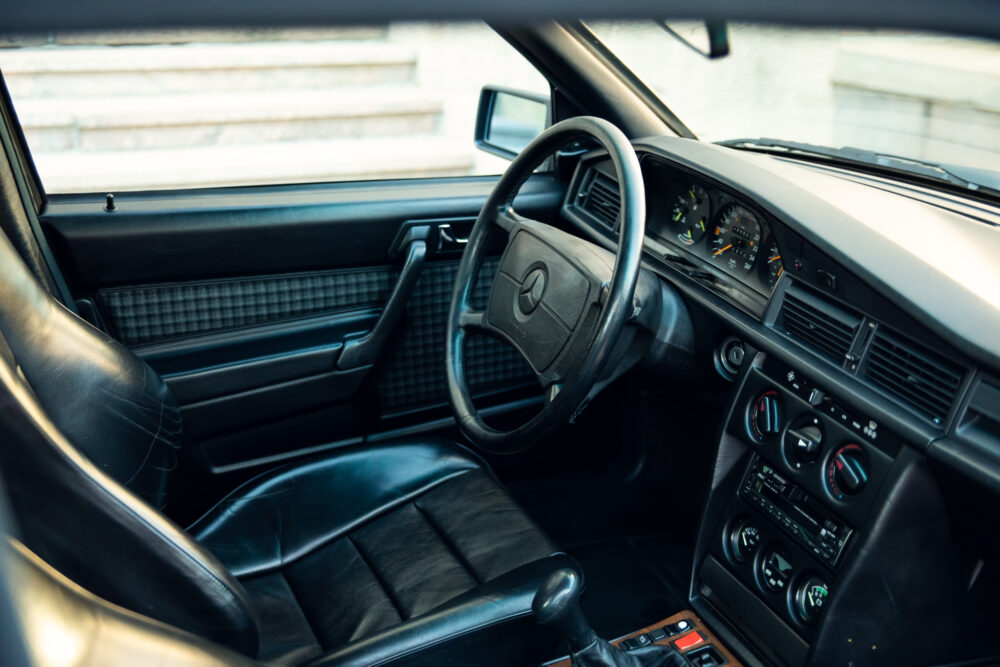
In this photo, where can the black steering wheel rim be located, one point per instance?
(617, 296)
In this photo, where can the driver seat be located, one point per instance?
(404, 553)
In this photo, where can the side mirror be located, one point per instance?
(509, 119)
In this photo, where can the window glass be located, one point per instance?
(208, 108)
(920, 96)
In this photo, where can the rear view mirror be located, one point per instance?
(714, 38)
(509, 119)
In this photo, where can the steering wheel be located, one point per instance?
(559, 300)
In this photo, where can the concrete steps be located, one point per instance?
(172, 115)
(193, 68)
(264, 163)
(140, 122)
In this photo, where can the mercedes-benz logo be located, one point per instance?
(530, 294)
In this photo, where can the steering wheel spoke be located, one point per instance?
(507, 219)
(472, 319)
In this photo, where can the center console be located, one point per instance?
(804, 475)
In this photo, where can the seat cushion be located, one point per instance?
(352, 544)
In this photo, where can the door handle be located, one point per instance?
(448, 238)
(364, 351)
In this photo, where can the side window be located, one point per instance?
(120, 112)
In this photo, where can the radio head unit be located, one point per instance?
(796, 512)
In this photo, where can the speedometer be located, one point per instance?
(736, 238)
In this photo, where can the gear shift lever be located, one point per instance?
(557, 606)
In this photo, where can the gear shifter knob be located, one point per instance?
(557, 606)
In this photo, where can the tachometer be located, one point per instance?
(771, 267)
(736, 238)
(690, 215)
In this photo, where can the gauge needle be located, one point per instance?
(781, 270)
(774, 259)
(719, 252)
(678, 216)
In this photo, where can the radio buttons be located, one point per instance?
(793, 511)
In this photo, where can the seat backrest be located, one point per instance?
(88, 427)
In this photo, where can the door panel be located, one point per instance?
(153, 313)
(413, 373)
(243, 300)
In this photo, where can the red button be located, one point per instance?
(689, 641)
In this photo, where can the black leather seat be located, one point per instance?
(347, 546)
(410, 552)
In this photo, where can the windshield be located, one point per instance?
(918, 96)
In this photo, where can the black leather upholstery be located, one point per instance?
(92, 530)
(109, 403)
(398, 530)
(396, 553)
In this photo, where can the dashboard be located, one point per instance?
(866, 358)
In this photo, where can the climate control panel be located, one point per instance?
(803, 432)
(813, 472)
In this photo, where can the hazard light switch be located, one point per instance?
(689, 641)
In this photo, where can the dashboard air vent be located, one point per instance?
(910, 371)
(603, 200)
(819, 323)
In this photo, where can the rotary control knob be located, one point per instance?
(803, 441)
(764, 417)
(847, 471)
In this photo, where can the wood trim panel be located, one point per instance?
(696, 625)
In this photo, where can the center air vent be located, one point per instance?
(910, 371)
(603, 201)
(820, 324)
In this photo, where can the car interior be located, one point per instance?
(641, 400)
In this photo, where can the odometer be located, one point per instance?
(736, 238)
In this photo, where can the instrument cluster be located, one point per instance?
(714, 226)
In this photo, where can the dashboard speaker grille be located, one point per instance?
(822, 325)
(910, 371)
(603, 199)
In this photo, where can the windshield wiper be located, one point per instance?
(969, 178)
